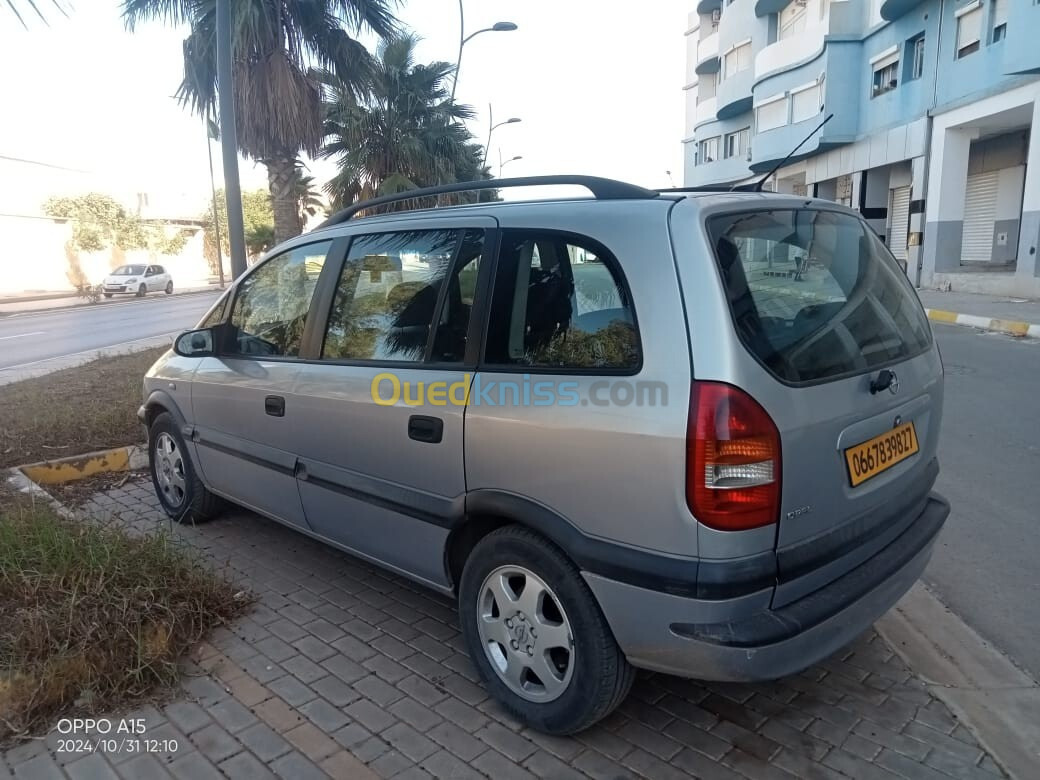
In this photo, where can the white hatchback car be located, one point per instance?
(138, 279)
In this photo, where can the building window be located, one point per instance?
(737, 59)
(886, 74)
(771, 114)
(915, 57)
(709, 150)
(792, 19)
(999, 20)
(805, 103)
(969, 31)
(737, 143)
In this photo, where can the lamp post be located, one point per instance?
(464, 39)
(503, 163)
(491, 119)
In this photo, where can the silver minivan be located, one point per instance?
(680, 431)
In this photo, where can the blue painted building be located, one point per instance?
(934, 103)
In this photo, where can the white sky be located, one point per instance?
(599, 92)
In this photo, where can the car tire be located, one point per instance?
(177, 485)
(169, 288)
(108, 295)
(583, 682)
(142, 290)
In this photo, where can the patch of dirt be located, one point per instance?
(77, 493)
(74, 411)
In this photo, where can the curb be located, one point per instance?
(54, 472)
(988, 694)
(1010, 327)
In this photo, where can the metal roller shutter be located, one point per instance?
(980, 214)
(899, 208)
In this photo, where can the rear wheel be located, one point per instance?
(142, 290)
(536, 634)
(179, 489)
(169, 288)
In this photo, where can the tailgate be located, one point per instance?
(856, 388)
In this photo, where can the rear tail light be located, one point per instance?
(732, 459)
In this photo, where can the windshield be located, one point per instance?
(129, 270)
(814, 294)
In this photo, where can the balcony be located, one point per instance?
(707, 6)
(893, 9)
(708, 54)
(790, 51)
(734, 94)
(705, 111)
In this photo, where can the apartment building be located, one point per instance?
(934, 105)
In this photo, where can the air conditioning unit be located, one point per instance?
(716, 16)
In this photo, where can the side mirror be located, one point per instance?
(194, 343)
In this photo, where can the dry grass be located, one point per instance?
(75, 410)
(91, 618)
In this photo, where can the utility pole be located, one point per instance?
(210, 125)
(229, 140)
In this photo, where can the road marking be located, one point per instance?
(23, 335)
(94, 350)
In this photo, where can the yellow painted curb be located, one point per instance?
(1013, 327)
(942, 316)
(54, 472)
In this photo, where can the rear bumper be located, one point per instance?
(694, 638)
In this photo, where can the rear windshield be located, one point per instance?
(814, 294)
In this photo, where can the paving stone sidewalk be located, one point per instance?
(345, 671)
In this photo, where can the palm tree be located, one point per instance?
(404, 134)
(13, 6)
(277, 98)
(308, 197)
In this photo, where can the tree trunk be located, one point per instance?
(281, 173)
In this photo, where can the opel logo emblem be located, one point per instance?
(893, 388)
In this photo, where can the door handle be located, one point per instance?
(274, 405)
(426, 429)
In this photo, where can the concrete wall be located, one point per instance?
(36, 258)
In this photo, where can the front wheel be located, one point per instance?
(537, 635)
(142, 290)
(179, 489)
(108, 295)
(169, 288)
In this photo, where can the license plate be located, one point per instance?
(875, 455)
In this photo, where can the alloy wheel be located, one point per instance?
(525, 634)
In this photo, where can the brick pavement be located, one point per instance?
(346, 671)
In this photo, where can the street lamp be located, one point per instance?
(503, 163)
(510, 121)
(464, 39)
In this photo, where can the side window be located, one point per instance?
(216, 315)
(158, 269)
(560, 303)
(270, 308)
(389, 292)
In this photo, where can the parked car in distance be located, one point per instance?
(138, 279)
(687, 432)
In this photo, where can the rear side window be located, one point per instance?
(560, 303)
(814, 294)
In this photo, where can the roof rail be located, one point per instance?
(712, 188)
(601, 189)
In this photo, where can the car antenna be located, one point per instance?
(779, 165)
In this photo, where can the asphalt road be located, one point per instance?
(26, 339)
(986, 566)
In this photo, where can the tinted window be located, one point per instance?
(389, 292)
(270, 309)
(560, 303)
(815, 294)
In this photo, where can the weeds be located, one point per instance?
(92, 618)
